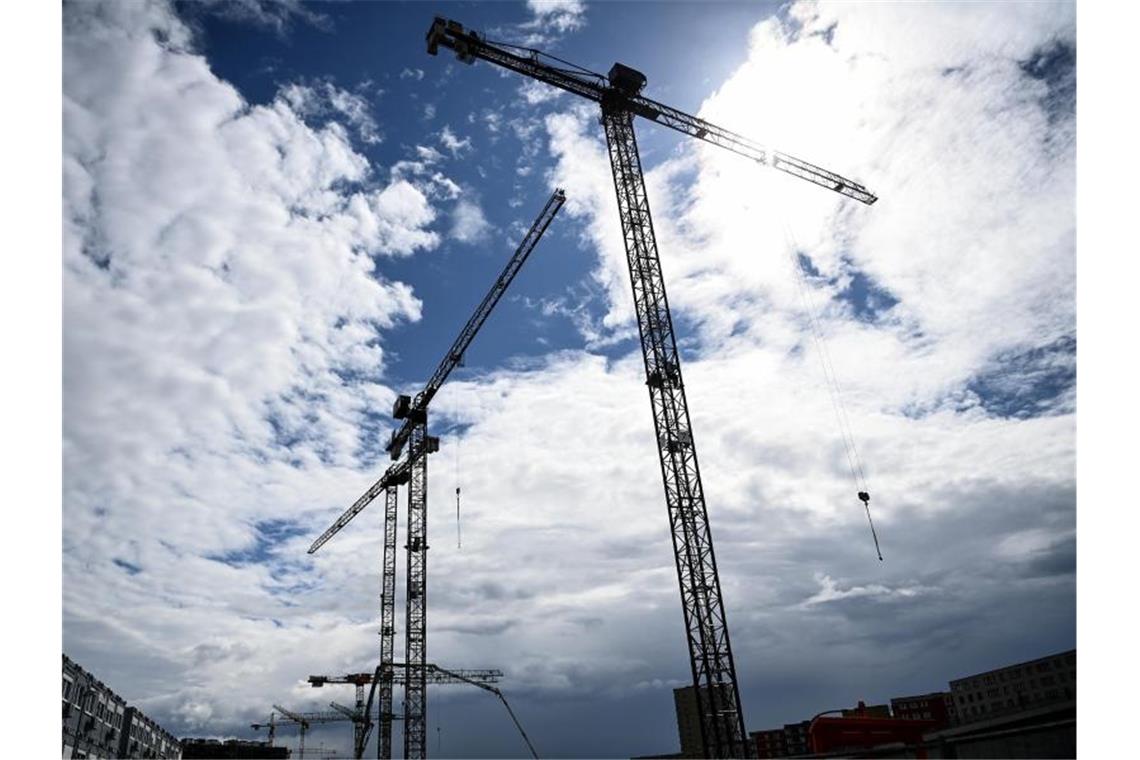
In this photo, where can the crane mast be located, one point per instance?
(412, 470)
(387, 627)
(619, 96)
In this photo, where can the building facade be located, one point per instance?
(770, 743)
(796, 741)
(937, 706)
(688, 721)
(98, 723)
(142, 737)
(1036, 683)
(93, 715)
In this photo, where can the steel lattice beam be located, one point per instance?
(387, 625)
(722, 723)
(415, 627)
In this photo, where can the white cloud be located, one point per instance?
(220, 280)
(560, 16)
(416, 74)
(830, 592)
(549, 21)
(326, 99)
(468, 224)
(449, 140)
(566, 562)
(535, 92)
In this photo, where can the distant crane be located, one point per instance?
(271, 725)
(619, 95)
(487, 687)
(362, 714)
(412, 470)
(305, 720)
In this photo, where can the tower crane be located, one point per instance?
(271, 725)
(304, 721)
(619, 96)
(412, 471)
(362, 714)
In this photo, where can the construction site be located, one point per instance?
(384, 703)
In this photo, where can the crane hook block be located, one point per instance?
(864, 497)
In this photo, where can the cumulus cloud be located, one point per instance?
(560, 16)
(549, 22)
(324, 99)
(224, 307)
(468, 223)
(235, 405)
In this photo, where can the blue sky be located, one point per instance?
(276, 217)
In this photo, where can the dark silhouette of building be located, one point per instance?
(937, 706)
(231, 748)
(1032, 684)
(796, 740)
(864, 711)
(97, 722)
(689, 721)
(770, 743)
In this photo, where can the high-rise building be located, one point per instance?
(98, 723)
(688, 721)
(1047, 680)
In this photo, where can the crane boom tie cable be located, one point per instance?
(854, 462)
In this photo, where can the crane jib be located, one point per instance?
(413, 412)
(621, 90)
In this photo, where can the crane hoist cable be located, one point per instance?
(458, 530)
(854, 461)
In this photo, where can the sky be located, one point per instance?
(276, 217)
